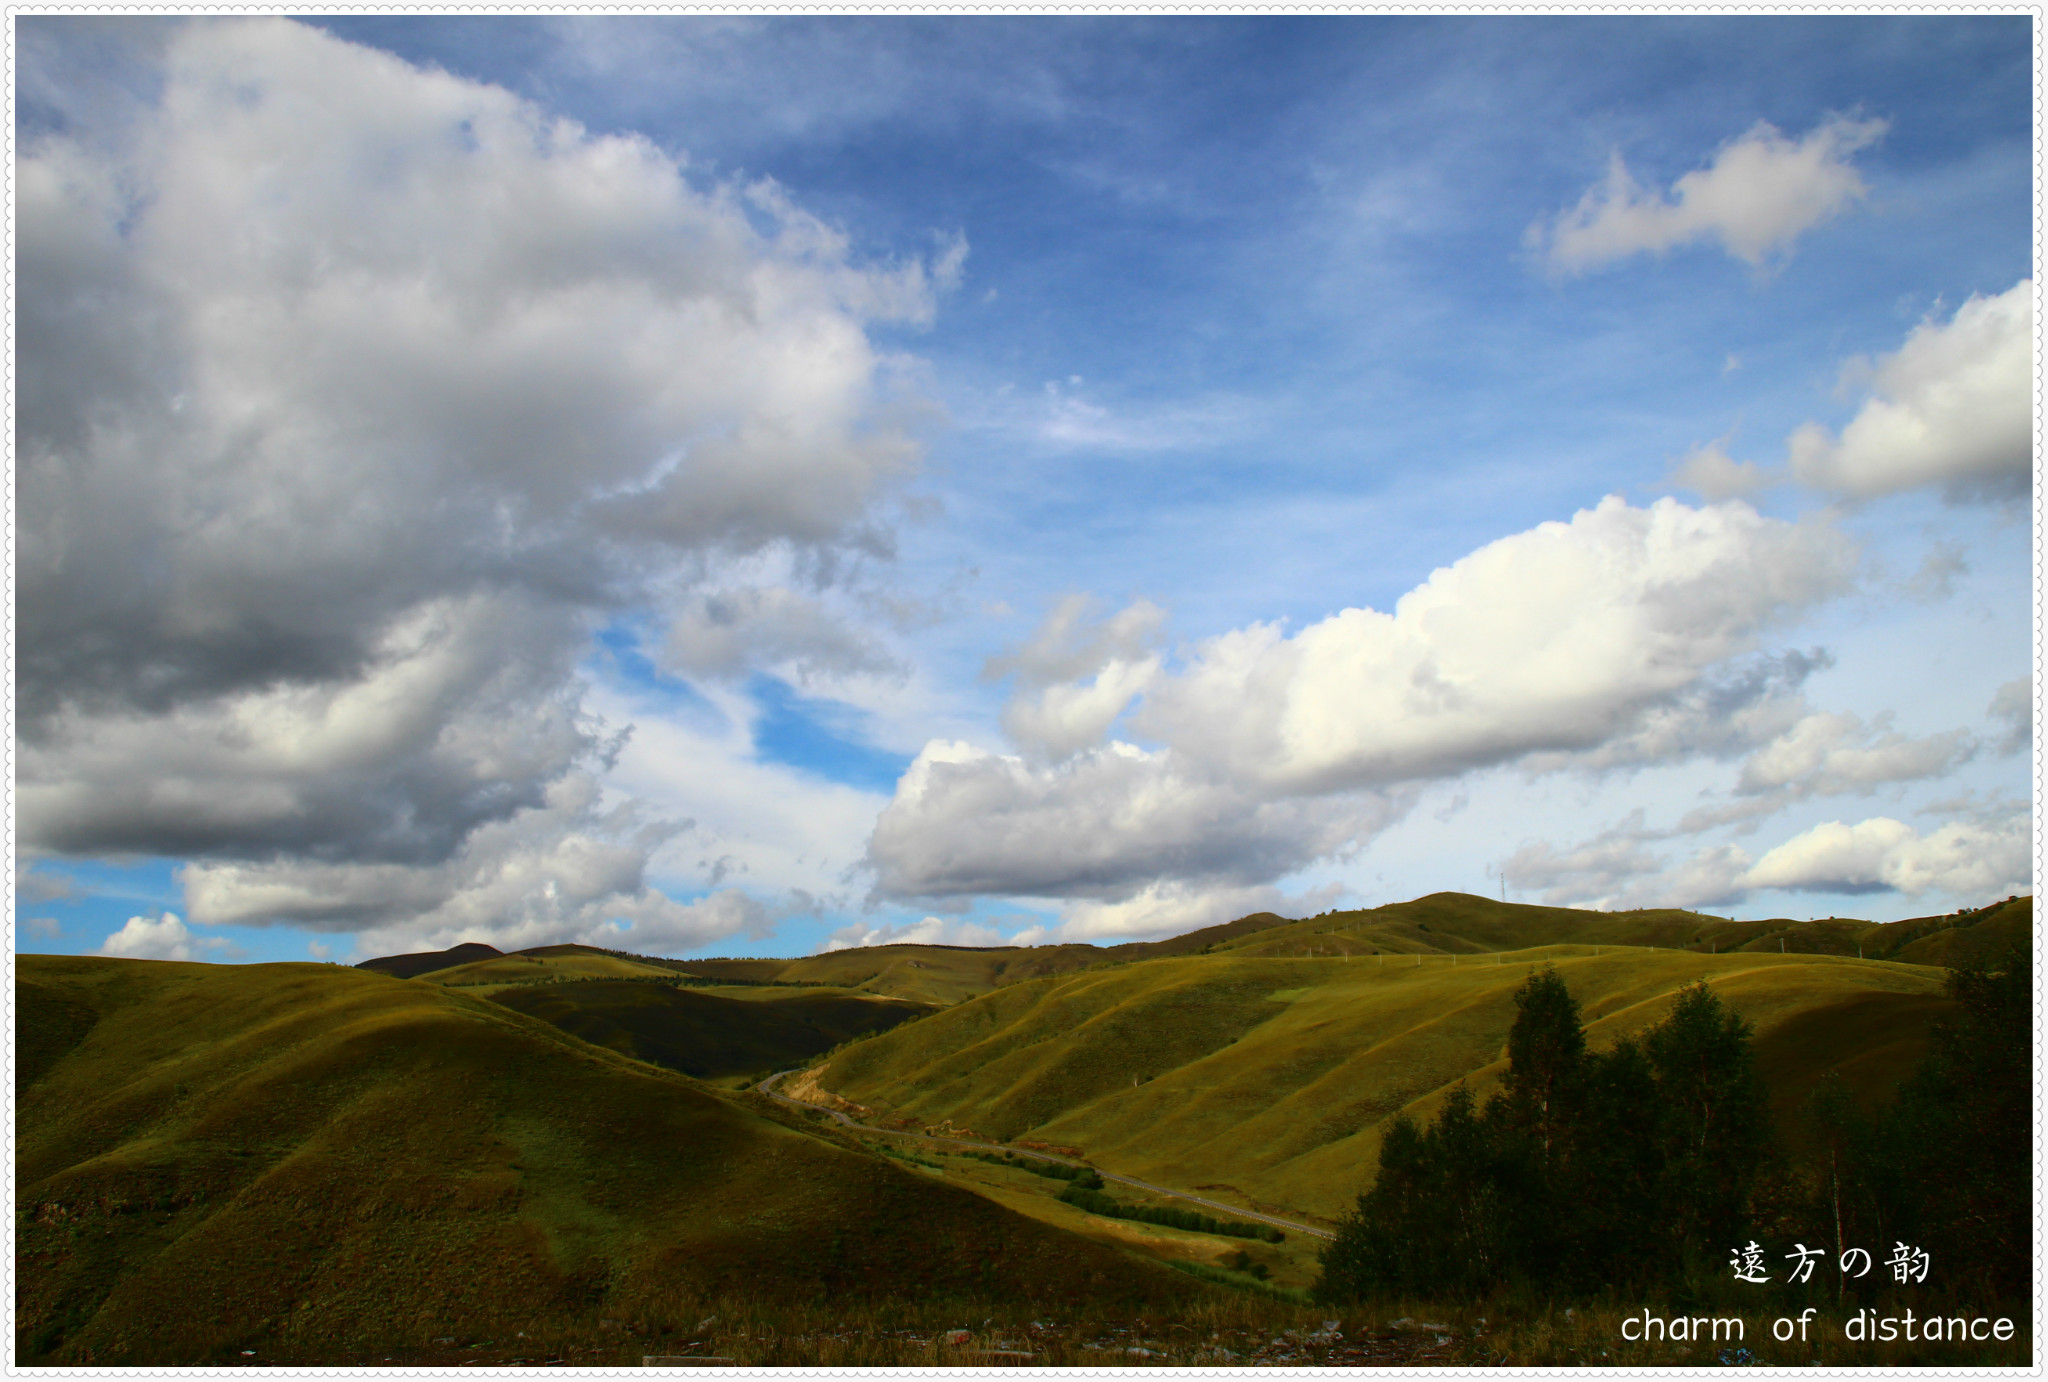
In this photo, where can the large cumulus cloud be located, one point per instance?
(1561, 638)
(1952, 407)
(350, 397)
(1623, 637)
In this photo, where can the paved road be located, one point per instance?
(767, 1087)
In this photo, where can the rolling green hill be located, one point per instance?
(1263, 1070)
(706, 1034)
(525, 967)
(310, 1160)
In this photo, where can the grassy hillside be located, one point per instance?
(526, 968)
(706, 1034)
(1267, 1078)
(308, 1160)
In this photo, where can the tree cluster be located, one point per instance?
(1948, 1165)
(1095, 1202)
(1585, 1170)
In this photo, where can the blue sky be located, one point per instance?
(744, 484)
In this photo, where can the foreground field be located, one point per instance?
(311, 1162)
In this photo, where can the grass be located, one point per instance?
(307, 1164)
(707, 1034)
(543, 969)
(1243, 1324)
(313, 1162)
(1459, 923)
(1266, 1079)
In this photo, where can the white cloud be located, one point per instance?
(1061, 720)
(1067, 421)
(1972, 860)
(1603, 642)
(1953, 406)
(1935, 580)
(34, 885)
(1106, 824)
(1828, 754)
(42, 926)
(1561, 638)
(1077, 674)
(351, 397)
(2014, 706)
(1599, 867)
(732, 632)
(1071, 643)
(1961, 858)
(929, 931)
(568, 870)
(163, 938)
(1711, 473)
(1169, 908)
(1760, 193)
(457, 714)
(1726, 713)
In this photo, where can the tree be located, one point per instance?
(1711, 1122)
(1948, 1166)
(1546, 1056)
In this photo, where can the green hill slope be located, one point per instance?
(1270, 1077)
(310, 1159)
(944, 974)
(526, 968)
(704, 1034)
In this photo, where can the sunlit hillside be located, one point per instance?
(1265, 1069)
(310, 1160)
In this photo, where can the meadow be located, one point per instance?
(558, 1155)
(1263, 1071)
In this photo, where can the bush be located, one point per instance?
(1186, 1219)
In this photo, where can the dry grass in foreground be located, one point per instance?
(1246, 1331)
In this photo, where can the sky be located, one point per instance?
(735, 485)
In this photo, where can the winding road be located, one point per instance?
(767, 1087)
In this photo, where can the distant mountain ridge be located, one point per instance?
(1438, 924)
(427, 961)
(920, 972)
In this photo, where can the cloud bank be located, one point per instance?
(1608, 641)
(352, 397)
